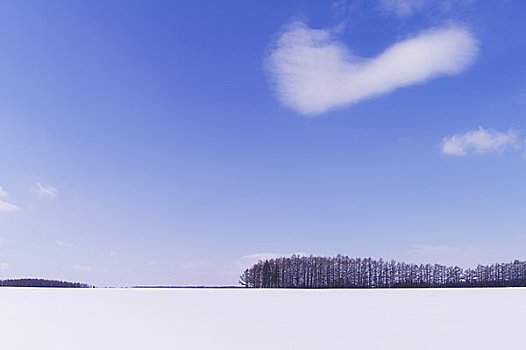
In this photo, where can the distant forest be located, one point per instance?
(34, 282)
(344, 272)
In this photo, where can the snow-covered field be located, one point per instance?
(262, 319)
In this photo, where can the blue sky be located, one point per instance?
(178, 142)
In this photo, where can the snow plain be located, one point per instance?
(261, 319)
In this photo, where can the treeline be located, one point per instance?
(344, 272)
(35, 282)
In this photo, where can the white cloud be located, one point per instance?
(45, 191)
(6, 206)
(479, 141)
(4, 266)
(312, 72)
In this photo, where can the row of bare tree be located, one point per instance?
(344, 272)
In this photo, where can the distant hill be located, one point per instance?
(36, 282)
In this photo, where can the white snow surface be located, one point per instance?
(261, 319)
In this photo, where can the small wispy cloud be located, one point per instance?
(249, 260)
(312, 72)
(5, 206)
(3, 193)
(465, 254)
(408, 8)
(260, 256)
(44, 191)
(402, 8)
(63, 244)
(521, 98)
(4, 266)
(83, 268)
(479, 141)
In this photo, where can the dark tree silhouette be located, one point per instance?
(34, 282)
